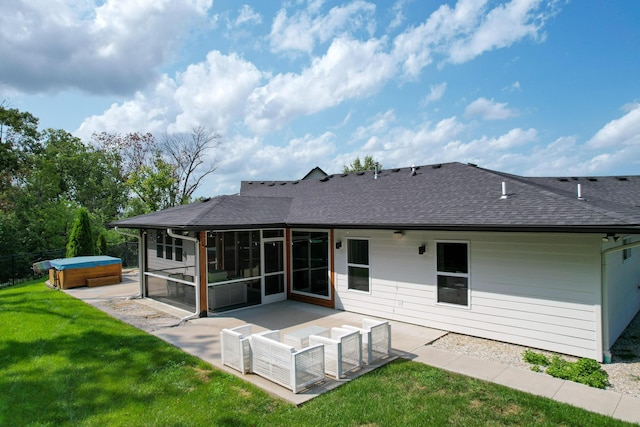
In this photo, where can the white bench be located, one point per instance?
(376, 339)
(283, 364)
(342, 351)
(235, 348)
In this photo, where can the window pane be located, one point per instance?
(274, 284)
(273, 261)
(358, 252)
(452, 257)
(168, 253)
(270, 234)
(159, 246)
(319, 282)
(452, 290)
(359, 278)
(301, 281)
(178, 253)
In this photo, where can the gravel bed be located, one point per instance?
(624, 369)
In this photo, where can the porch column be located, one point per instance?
(202, 248)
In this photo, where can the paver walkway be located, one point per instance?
(200, 337)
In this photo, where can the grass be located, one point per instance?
(65, 363)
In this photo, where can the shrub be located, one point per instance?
(535, 358)
(583, 371)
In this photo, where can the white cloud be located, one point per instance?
(350, 69)
(301, 31)
(488, 109)
(624, 131)
(501, 27)
(212, 93)
(467, 30)
(248, 15)
(435, 93)
(112, 48)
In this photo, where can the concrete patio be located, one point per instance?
(201, 338)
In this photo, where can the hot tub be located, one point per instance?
(68, 273)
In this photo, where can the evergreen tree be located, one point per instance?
(101, 244)
(81, 239)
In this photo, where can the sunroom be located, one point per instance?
(237, 268)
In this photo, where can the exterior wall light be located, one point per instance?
(422, 249)
(338, 244)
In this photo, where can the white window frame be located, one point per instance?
(367, 266)
(626, 253)
(466, 275)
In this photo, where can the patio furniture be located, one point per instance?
(300, 337)
(342, 351)
(376, 339)
(235, 348)
(283, 364)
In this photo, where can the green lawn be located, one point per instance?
(63, 362)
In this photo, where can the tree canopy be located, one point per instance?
(357, 166)
(50, 175)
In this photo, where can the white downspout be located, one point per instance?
(605, 299)
(140, 258)
(196, 242)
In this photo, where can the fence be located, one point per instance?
(17, 267)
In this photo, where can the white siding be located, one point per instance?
(623, 286)
(166, 266)
(538, 290)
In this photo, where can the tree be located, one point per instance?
(188, 153)
(155, 188)
(356, 166)
(101, 244)
(81, 239)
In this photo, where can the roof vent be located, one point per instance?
(376, 170)
(436, 166)
(563, 179)
(504, 191)
(413, 170)
(395, 170)
(622, 178)
(580, 192)
(344, 174)
(325, 179)
(472, 165)
(283, 183)
(592, 179)
(360, 173)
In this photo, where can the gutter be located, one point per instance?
(606, 344)
(140, 259)
(196, 276)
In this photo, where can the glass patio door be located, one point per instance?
(273, 288)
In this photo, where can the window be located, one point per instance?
(626, 253)
(358, 264)
(453, 273)
(167, 247)
(310, 262)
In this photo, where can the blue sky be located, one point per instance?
(532, 87)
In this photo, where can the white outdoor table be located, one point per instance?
(299, 338)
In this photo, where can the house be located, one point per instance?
(550, 263)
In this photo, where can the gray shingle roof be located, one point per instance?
(450, 196)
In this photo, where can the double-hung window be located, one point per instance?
(167, 247)
(358, 264)
(453, 273)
